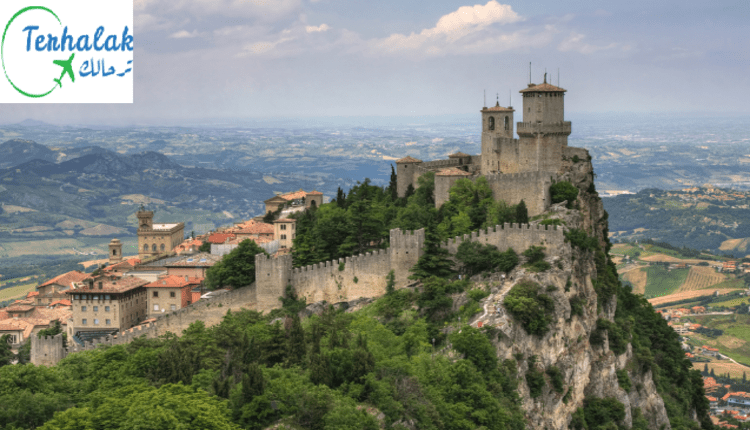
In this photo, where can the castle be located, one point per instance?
(516, 169)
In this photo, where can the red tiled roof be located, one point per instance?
(123, 265)
(452, 171)
(3, 314)
(545, 87)
(19, 308)
(254, 228)
(219, 237)
(408, 159)
(32, 294)
(66, 279)
(112, 285)
(314, 193)
(294, 195)
(202, 259)
(498, 108)
(712, 399)
(285, 220)
(174, 281)
(63, 302)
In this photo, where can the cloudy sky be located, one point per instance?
(236, 59)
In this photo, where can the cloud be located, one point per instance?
(468, 30)
(318, 29)
(184, 34)
(574, 42)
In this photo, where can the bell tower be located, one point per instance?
(497, 126)
(115, 251)
(145, 219)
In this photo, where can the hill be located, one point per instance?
(703, 218)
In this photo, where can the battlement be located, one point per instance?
(47, 350)
(520, 176)
(439, 164)
(519, 237)
(531, 128)
(407, 238)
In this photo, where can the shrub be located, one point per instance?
(581, 240)
(532, 309)
(556, 378)
(506, 261)
(576, 159)
(563, 191)
(623, 379)
(341, 266)
(356, 280)
(534, 379)
(535, 256)
(576, 306)
(555, 221)
(478, 294)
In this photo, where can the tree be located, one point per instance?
(296, 347)
(6, 355)
(236, 269)
(205, 247)
(522, 214)
(563, 191)
(341, 198)
(393, 185)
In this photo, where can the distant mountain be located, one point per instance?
(34, 123)
(18, 151)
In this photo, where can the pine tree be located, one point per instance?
(705, 370)
(744, 377)
(522, 214)
(253, 383)
(393, 185)
(341, 198)
(296, 348)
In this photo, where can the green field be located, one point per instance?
(662, 282)
(17, 291)
(735, 342)
(732, 303)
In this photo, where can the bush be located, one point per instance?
(563, 191)
(576, 306)
(534, 379)
(478, 294)
(532, 309)
(535, 256)
(623, 379)
(556, 378)
(581, 240)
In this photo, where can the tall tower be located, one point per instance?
(497, 126)
(115, 251)
(145, 219)
(544, 131)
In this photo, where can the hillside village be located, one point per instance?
(167, 275)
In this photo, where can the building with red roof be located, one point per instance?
(170, 293)
(294, 198)
(108, 304)
(62, 282)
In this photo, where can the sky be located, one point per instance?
(210, 60)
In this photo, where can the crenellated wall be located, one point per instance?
(272, 275)
(519, 237)
(47, 350)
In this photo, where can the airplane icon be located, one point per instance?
(67, 66)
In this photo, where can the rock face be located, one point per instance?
(587, 370)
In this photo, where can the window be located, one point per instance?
(78, 297)
(162, 247)
(171, 294)
(106, 309)
(507, 123)
(491, 123)
(96, 321)
(96, 308)
(283, 236)
(83, 321)
(108, 322)
(83, 308)
(114, 252)
(156, 294)
(96, 297)
(106, 297)
(156, 307)
(173, 307)
(283, 226)
(153, 248)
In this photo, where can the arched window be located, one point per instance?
(507, 123)
(153, 248)
(162, 247)
(114, 252)
(145, 247)
(491, 123)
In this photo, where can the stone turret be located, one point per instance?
(115, 251)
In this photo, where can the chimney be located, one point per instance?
(186, 278)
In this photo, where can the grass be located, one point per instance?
(17, 291)
(732, 302)
(735, 284)
(735, 342)
(724, 366)
(662, 282)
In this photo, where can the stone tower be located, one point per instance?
(405, 172)
(145, 219)
(497, 125)
(115, 251)
(544, 132)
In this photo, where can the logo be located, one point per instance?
(66, 52)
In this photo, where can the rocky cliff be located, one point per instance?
(574, 343)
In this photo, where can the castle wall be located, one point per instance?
(531, 187)
(406, 174)
(545, 107)
(272, 275)
(443, 185)
(47, 350)
(516, 236)
(439, 164)
(406, 248)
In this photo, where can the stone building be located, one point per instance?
(170, 293)
(296, 198)
(284, 230)
(61, 283)
(107, 304)
(193, 266)
(156, 239)
(515, 169)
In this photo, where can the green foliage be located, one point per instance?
(205, 247)
(623, 379)
(236, 269)
(535, 259)
(435, 301)
(552, 221)
(618, 335)
(355, 279)
(563, 191)
(534, 379)
(390, 282)
(476, 258)
(6, 354)
(576, 305)
(476, 348)
(579, 239)
(599, 414)
(532, 309)
(478, 294)
(342, 265)
(522, 213)
(556, 378)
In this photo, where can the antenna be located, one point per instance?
(529, 71)
(558, 76)
(485, 98)
(510, 104)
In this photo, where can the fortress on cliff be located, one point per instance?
(516, 169)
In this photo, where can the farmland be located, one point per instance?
(721, 367)
(662, 281)
(701, 277)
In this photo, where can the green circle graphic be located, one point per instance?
(2, 49)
